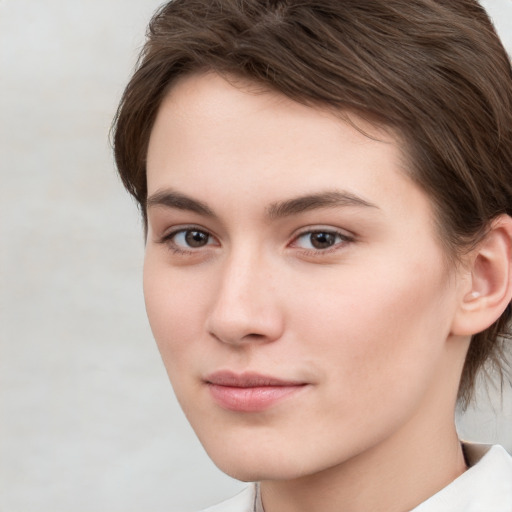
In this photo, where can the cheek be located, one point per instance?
(377, 329)
(175, 302)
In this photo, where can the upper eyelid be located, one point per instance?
(174, 230)
(323, 229)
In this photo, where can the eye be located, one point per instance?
(187, 239)
(320, 240)
(191, 238)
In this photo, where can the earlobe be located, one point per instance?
(490, 290)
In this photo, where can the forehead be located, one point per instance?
(206, 95)
(207, 122)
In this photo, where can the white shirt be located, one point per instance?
(485, 487)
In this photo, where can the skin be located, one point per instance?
(365, 323)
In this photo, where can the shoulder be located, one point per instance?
(242, 502)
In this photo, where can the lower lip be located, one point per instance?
(253, 399)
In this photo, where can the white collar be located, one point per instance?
(485, 487)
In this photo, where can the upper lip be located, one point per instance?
(247, 380)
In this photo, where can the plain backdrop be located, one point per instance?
(88, 421)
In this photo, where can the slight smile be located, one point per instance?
(249, 392)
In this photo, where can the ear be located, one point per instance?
(488, 290)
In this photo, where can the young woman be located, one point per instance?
(327, 193)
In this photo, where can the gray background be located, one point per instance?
(88, 421)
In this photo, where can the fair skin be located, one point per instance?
(303, 304)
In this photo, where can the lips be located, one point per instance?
(249, 392)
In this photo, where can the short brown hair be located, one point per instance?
(432, 70)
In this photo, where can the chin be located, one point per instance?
(256, 470)
(258, 461)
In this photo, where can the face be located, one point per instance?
(293, 280)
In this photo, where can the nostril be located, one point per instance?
(213, 335)
(234, 339)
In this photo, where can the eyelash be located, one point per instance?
(343, 237)
(169, 240)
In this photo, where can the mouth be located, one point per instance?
(249, 392)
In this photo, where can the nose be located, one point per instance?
(246, 307)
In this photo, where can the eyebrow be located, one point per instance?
(329, 199)
(172, 199)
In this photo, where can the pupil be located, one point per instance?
(322, 240)
(196, 238)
